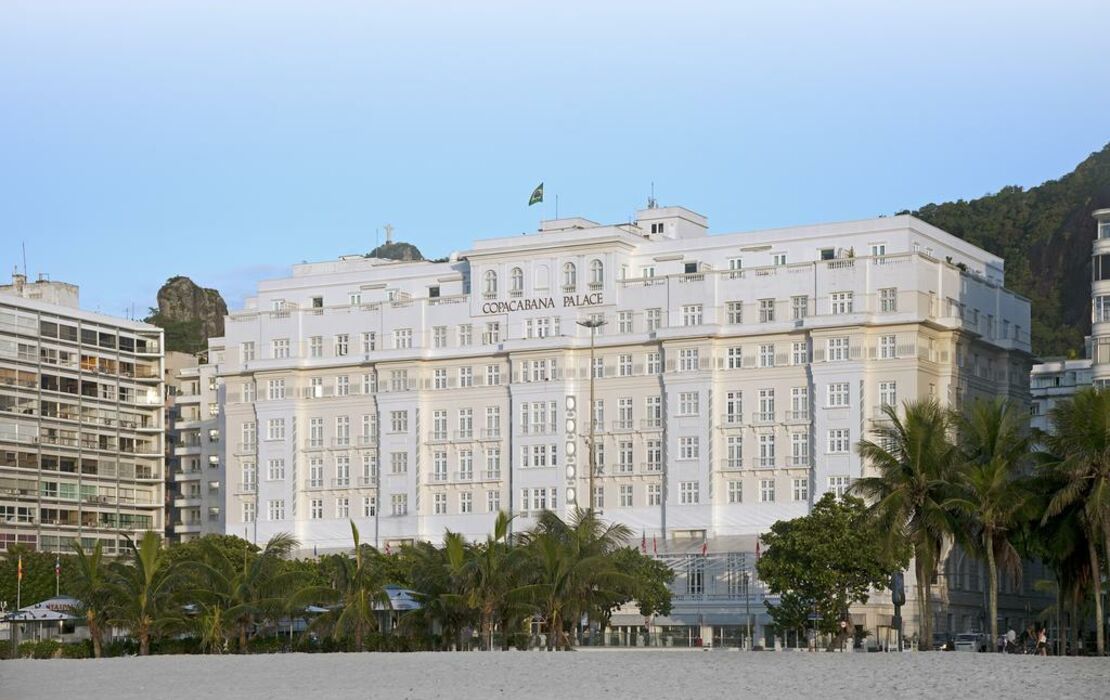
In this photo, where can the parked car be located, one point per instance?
(970, 641)
(942, 641)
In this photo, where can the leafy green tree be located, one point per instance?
(650, 580)
(357, 591)
(89, 586)
(1079, 458)
(826, 561)
(488, 572)
(915, 463)
(142, 591)
(990, 495)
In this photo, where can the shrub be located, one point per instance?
(42, 649)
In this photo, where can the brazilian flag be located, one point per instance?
(537, 195)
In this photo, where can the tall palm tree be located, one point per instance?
(89, 587)
(437, 575)
(914, 461)
(235, 592)
(489, 573)
(1079, 445)
(142, 591)
(990, 495)
(358, 592)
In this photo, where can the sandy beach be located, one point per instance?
(585, 674)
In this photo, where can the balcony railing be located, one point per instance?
(763, 418)
(765, 462)
(651, 423)
(734, 463)
(464, 476)
(732, 419)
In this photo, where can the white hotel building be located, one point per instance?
(733, 376)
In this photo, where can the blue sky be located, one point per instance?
(225, 141)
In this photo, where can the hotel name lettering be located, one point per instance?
(538, 304)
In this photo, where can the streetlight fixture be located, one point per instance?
(593, 324)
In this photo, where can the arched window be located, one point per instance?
(516, 281)
(490, 288)
(570, 277)
(597, 273)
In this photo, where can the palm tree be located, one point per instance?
(915, 463)
(89, 587)
(235, 594)
(142, 591)
(489, 573)
(437, 575)
(989, 494)
(1080, 447)
(358, 591)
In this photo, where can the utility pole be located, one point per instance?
(593, 324)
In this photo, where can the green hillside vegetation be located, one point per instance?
(1045, 235)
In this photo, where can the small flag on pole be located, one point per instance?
(57, 566)
(757, 549)
(704, 547)
(19, 569)
(537, 195)
(654, 545)
(643, 543)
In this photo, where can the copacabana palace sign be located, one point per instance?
(540, 303)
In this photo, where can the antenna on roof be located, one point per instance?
(24, 243)
(652, 204)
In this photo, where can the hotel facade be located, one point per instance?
(81, 427)
(731, 377)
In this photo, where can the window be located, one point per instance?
(343, 507)
(624, 365)
(799, 352)
(767, 450)
(316, 346)
(654, 363)
(688, 360)
(778, 259)
(315, 432)
(837, 395)
(466, 377)
(888, 299)
(439, 504)
(398, 462)
(828, 253)
(439, 466)
(466, 422)
(801, 489)
(280, 348)
(766, 355)
(248, 512)
(439, 378)
(734, 311)
(766, 490)
(493, 375)
(275, 469)
(316, 509)
(342, 344)
(688, 403)
(369, 506)
(399, 421)
(399, 503)
(369, 342)
(839, 441)
(439, 337)
(342, 386)
(466, 502)
(466, 334)
(735, 358)
(275, 389)
(839, 485)
(597, 274)
(275, 429)
(246, 352)
(516, 282)
(248, 392)
(342, 470)
(570, 277)
(689, 493)
(599, 497)
(402, 338)
(624, 413)
(276, 509)
(888, 350)
(653, 412)
(653, 319)
(439, 424)
(493, 501)
(836, 349)
(691, 314)
(840, 303)
(735, 265)
(654, 494)
(734, 407)
(888, 393)
(766, 310)
(624, 321)
(766, 405)
(799, 449)
(878, 250)
(625, 496)
(735, 491)
(688, 447)
(315, 473)
(489, 287)
(799, 401)
(493, 463)
(799, 307)
(624, 457)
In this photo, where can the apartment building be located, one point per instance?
(732, 376)
(81, 428)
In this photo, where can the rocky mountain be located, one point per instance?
(396, 250)
(1045, 235)
(190, 314)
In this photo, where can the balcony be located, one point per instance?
(315, 485)
(188, 474)
(492, 475)
(491, 434)
(246, 448)
(341, 483)
(186, 528)
(439, 477)
(732, 464)
(438, 436)
(798, 461)
(651, 467)
(188, 501)
(464, 476)
(765, 462)
(367, 440)
(732, 420)
(367, 481)
(247, 487)
(340, 443)
(795, 417)
(763, 418)
(622, 425)
(464, 434)
(651, 424)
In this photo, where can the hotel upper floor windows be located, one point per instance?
(466, 334)
(689, 492)
(735, 358)
(275, 389)
(279, 348)
(766, 310)
(492, 336)
(402, 338)
(354, 298)
(767, 355)
(653, 318)
(836, 349)
(840, 303)
(1104, 229)
(398, 462)
(734, 312)
(888, 348)
(342, 344)
(1101, 309)
(654, 363)
(439, 336)
(399, 380)
(570, 277)
(439, 379)
(888, 299)
(778, 259)
(799, 307)
(688, 447)
(399, 421)
(246, 351)
(597, 274)
(692, 315)
(316, 346)
(657, 227)
(516, 282)
(275, 429)
(734, 266)
(624, 365)
(624, 321)
(688, 403)
(837, 395)
(493, 375)
(489, 284)
(839, 441)
(799, 352)
(1100, 267)
(688, 360)
(878, 250)
(369, 342)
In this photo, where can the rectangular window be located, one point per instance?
(279, 348)
(801, 489)
(736, 491)
(402, 338)
(888, 393)
(766, 310)
(688, 447)
(624, 413)
(439, 504)
(439, 466)
(767, 355)
(653, 412)
(799, 449)
(466, 502)
(654, 494)
(799, 352)
(840, 303)
(493, 501)
(369, 506)
(275, 389)
(624, 457)
(625, 495)
(888, 299)
(439, 336)
(888, 350)
(399, 503)
(766, 490)
(343, 507)
(246, 351)
(654, 451)
(275, 469)
(734, 407)
(692, 315)
(688, 360)
(734, 312)
(689, 492)
(466, 377)
(369, 342)
(688, 403)
(837, 395)
(839, 441)
(493, 375)
(624, 321)
(343, 386)
(248, 512)
(276, 509)
(466, 335)
(839, 485)
(316, 349)
(766, 406)
(624, 365)
(799, 307)
(735, 358)
(836, 349)
(399, 421)
(654, 363)
(778, 259)
(653, 319)
(342, 344)
(275, 429)
(767, 451)
(398, 462)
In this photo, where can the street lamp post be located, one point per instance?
(593, 324)
(748, 609)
